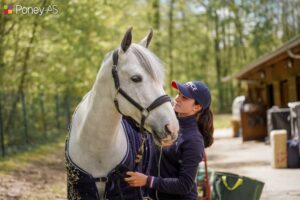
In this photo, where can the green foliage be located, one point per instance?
(68, 47)
(60, 54)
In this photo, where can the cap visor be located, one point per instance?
(174, 85)
(182, 89)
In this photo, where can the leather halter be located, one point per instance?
(144, 111)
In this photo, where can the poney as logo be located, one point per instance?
(7, 9)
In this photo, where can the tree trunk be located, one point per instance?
(239, 30)
(156, 25)
(25, 122)
(22, 83)
(218, 63)
(170, 43)
(284, 20)
(1, 129)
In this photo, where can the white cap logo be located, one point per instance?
(192, 86)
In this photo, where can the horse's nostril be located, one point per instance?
(167, 130)
(171, 129)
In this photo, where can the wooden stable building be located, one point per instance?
(272, 80)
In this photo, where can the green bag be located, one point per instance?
(228, 186)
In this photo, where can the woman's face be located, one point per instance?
(185, 106)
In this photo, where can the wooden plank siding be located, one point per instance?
(276, 80)
(272, 80)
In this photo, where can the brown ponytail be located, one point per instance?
(206, 126)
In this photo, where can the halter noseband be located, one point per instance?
(144, 111)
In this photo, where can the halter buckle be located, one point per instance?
(145, 113)
(114, 67)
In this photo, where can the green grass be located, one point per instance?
(18, 160)
(39, 152)
(222, 120)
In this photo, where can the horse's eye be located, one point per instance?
(136, 78)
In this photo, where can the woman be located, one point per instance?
(174, 169)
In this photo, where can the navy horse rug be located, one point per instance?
(81, 185)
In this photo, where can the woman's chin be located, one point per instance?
(176, 108)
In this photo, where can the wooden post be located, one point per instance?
(276, 92)
(279, 148)
(292, 86)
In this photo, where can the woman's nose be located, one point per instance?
(177, 98)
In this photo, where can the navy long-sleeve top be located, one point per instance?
(179, 164)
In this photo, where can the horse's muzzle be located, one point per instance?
(170, 136)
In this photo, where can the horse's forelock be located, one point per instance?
(149, 61)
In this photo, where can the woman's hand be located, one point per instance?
(136, 179)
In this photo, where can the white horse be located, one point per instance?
(96, 142)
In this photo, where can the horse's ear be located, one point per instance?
(126, 42)
(146, 41)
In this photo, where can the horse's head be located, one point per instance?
(140, 77)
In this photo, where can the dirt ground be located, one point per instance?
(43, 179)
(46, 178)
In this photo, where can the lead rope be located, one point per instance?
(140, 153)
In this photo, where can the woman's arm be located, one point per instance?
(192, 154)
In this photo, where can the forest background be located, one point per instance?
(49, 61)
